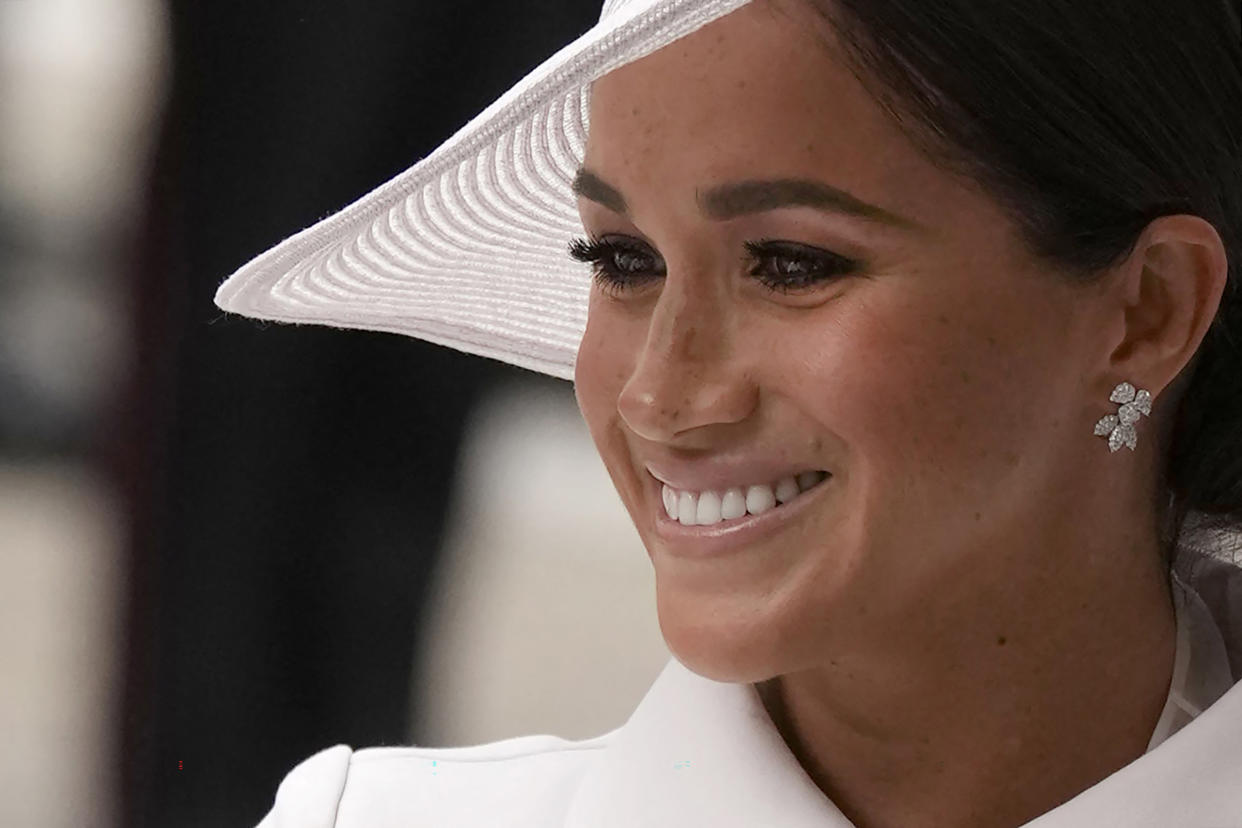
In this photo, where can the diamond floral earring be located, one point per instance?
(1120, 426)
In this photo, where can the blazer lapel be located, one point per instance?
(699, 752)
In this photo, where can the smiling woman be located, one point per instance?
(877, 291)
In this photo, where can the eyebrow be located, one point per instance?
(737, 198)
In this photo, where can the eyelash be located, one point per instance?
(823, 265)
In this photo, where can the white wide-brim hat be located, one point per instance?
(469, 247)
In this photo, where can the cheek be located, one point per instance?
(604, 364)
(918, 394)
(602, 368)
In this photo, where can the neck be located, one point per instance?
(993, 702)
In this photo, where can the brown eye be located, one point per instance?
(616, 265)
(796, 266)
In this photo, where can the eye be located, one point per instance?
(619, 265)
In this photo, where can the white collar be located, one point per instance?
(701, 752)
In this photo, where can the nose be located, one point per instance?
(688, 374)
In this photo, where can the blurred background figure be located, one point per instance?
(80, 82)
(226, 546)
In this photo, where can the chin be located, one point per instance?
(724, 667)
(732, 651)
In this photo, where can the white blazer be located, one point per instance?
(699, 752)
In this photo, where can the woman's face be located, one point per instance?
(931, 380)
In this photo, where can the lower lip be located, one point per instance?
(731, 535)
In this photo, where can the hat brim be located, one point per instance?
(468, 248)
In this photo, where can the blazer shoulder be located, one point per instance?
(310, 794)
(520, 782)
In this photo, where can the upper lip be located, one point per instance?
(719, 473)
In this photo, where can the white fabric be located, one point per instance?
(701, 752)
(468, 248)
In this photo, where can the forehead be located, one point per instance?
(759, 93)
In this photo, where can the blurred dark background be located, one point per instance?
(301, 474)
(275, 495)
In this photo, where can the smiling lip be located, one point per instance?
(730, 535)
(721, 472)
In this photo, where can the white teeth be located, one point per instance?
(759, 499)
(732, 505)
(786, 489)
(687, 507)
(707, 508)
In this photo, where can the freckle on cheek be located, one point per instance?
(686, 342)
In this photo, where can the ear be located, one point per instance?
(1170, 289)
